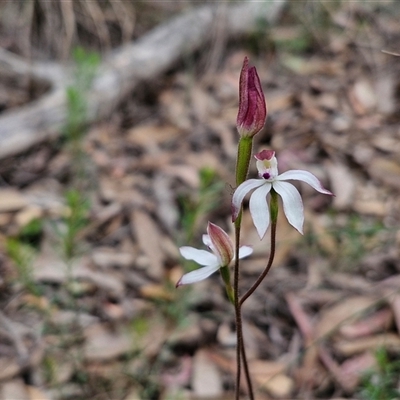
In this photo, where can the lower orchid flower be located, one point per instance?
(220, 255)
(267, 166)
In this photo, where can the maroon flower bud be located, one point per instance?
(252, 108)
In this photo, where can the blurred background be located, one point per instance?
(118, 144)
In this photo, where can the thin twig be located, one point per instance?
(391, 53)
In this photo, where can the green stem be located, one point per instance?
(243, 159)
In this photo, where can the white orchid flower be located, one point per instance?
(267, 166)
(221, 255)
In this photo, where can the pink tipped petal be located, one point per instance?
(201, 257)
(245, 251)
(292, 204)
(241, 192)
(305, 176)
(197, 275)
(222, 245)
(259, 208)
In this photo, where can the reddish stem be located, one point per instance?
(267, 268)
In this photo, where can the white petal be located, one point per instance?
(305, 176)
(207, 240)
(202, 257)
(292, 204)
(241, 192)
(245, 251)
(259, 208)
(197, 275)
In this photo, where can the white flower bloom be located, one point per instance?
(267, 166)
(221, 255)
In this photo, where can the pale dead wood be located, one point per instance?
(120, 72)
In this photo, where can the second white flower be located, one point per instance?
(267, 166)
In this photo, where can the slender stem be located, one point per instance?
(246, 367)
(238, 316)
(267, 268)
(242, 167)
(240, 347)
(245, 147)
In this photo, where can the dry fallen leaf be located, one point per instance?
(206, 379)
(156, 292)
(35, 393)
(176, 108)
(345, 381)
(11, 200)
(149, 237)
(345, 311)
(342, 185)
(377, 322)
(153, 135)
(134, 394)
(319, 225)
(362, 97)
(101, 344)
(356, 367)
(385, 170)
(28, 214)
(387, 142)
(9, 368)
(308, 372)
(14, 390)
(270, 376)
(47, 268)
(388, 341)
(108, 258)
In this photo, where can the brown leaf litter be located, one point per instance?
(110, 322)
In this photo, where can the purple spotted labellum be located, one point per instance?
(252, 107)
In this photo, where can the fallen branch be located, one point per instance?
(121, 70)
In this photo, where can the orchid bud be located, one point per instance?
(252, 108)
